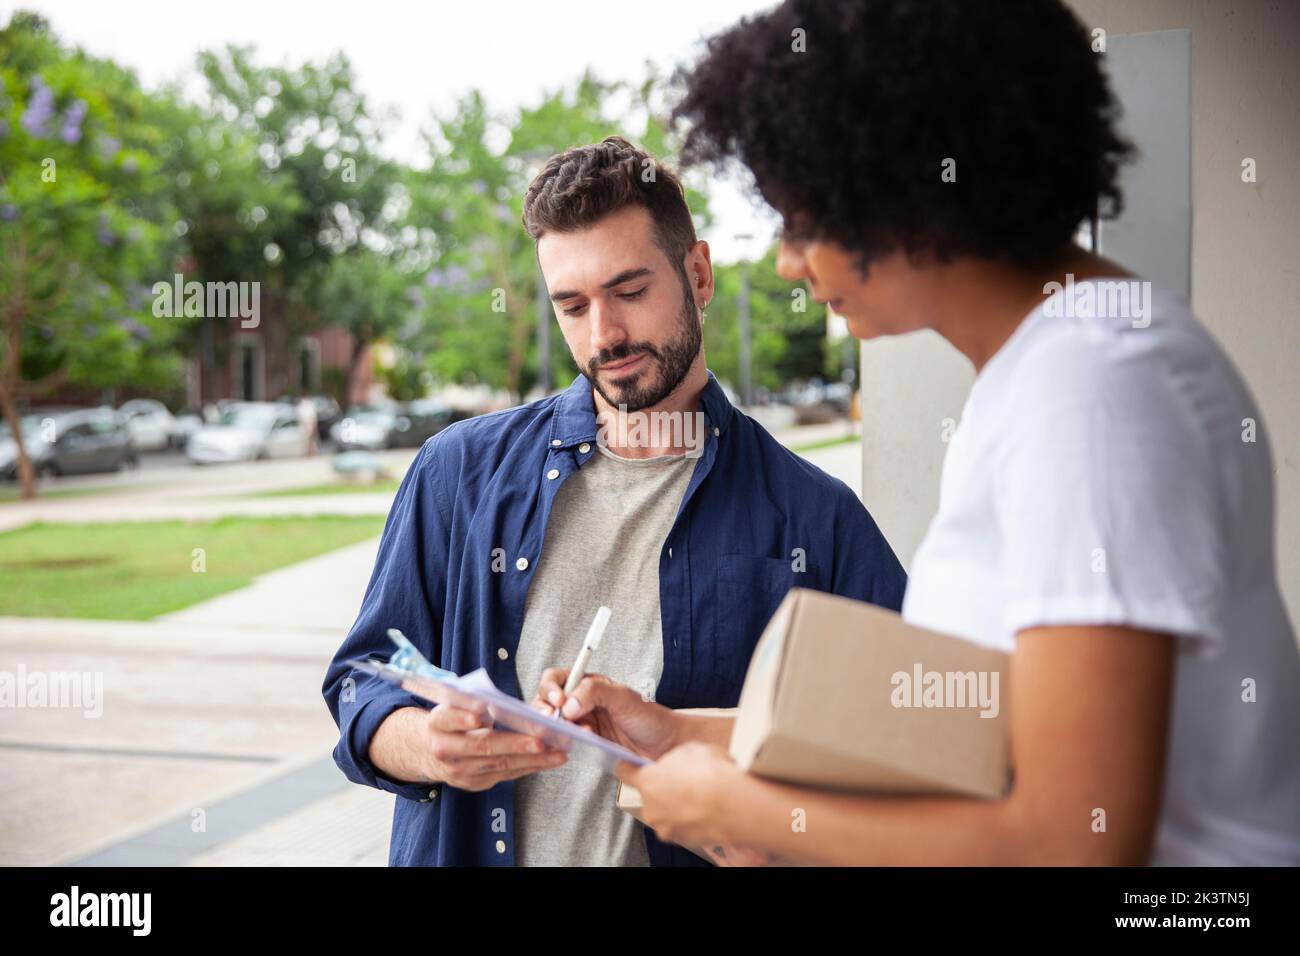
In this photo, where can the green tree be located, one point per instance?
(787, 327)
(369, 298)
(226, 202)
(314, 131)
(332, 195)
(83, 215)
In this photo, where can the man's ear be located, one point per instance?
(699, 267)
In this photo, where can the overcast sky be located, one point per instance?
(420, 56)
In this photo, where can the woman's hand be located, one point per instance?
(612, 710)
(684, 795)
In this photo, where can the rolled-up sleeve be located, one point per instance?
(406, 591)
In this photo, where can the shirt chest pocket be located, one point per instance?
(749, 591)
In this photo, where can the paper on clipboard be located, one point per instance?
(475, 692)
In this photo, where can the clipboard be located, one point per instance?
(475, 692)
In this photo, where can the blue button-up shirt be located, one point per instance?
(463, 541)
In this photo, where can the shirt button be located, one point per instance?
(501, 846)
(556, 443)
(584, 448)
(433, 794)
(553, 474)
(502, 653)
(670, 552)
(717, 432)
(522, 564)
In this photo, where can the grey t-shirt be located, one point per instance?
(607, 527)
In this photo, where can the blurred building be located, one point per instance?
(264, 363)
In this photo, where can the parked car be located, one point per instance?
(69, 441)
(248, 431)
(152, 426)
(417, 422)
(369, 426)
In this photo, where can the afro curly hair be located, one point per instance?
(847, 113)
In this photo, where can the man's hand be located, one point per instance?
(614, 711)
(450, 745)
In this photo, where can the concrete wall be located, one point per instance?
(1245, 265)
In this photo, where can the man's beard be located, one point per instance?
(674, 362)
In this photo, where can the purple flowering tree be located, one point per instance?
(81, 203)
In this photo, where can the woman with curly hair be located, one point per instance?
(1106, 507)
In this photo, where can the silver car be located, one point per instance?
(62, 441)
(249, 431)
(152, 426)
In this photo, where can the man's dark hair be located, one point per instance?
(847, 140)
(583, 185)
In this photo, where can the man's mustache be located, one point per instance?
(620, 354)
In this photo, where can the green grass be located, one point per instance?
(332, 488)
(136, 571)
(826, 443)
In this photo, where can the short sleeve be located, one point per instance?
(1108, 503)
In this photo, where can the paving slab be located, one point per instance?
(186, 714)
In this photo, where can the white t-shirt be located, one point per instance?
(1110, 471)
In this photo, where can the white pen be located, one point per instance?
(589, 645)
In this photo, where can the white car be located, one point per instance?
(248, 431)
(150, 425)
(368, 428)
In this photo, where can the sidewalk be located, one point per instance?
(212, 713)
(799, 436)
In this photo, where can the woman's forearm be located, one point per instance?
(818, 827)
(850, 830)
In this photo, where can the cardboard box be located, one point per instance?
(843, 694)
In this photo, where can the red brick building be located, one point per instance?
(265, 363)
